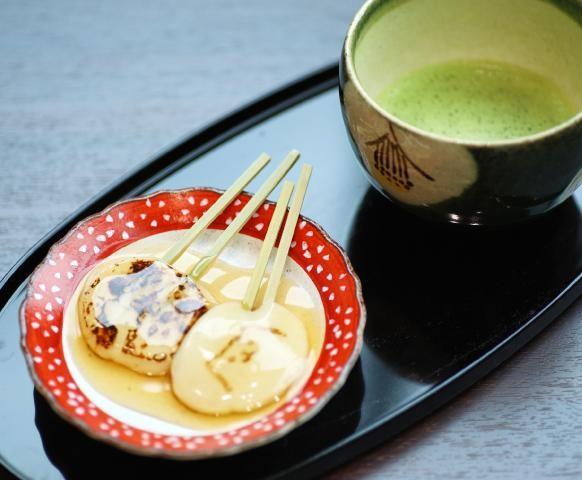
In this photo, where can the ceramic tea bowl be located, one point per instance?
(495, 182)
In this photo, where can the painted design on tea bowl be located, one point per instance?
(392, 162)
(439, 171)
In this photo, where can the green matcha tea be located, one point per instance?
(477, 100)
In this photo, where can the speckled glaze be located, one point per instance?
(448, 180)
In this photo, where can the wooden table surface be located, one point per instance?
(90, 89)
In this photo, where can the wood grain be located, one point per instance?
(90, 89)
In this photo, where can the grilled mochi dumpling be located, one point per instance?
(237, 361)
(135, 312)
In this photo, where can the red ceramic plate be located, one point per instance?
(97, 237)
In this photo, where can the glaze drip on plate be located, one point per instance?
(150, 400)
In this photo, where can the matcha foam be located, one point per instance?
(477, 100)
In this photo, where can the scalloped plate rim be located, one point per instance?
(218, 451)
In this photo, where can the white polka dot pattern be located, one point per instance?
(99, 236)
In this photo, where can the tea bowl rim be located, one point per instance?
(362, 16)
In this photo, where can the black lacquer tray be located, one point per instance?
(445, 305)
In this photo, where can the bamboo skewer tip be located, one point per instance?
(255, 282)
(246, 213)
(287, 235)
(176, 250)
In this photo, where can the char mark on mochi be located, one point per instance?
(139, 265)
(104, 336)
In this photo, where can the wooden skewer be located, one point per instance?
(287, 236)
(176, 251)
(246, 213)
(268, 243)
